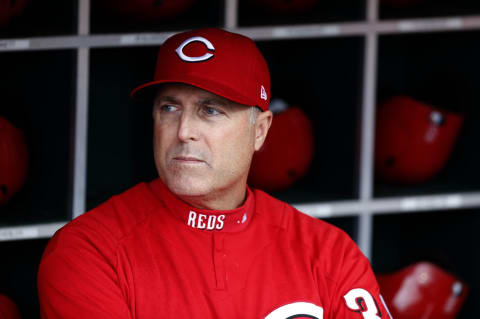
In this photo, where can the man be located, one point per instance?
(197, 242)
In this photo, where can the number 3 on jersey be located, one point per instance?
(361, 301)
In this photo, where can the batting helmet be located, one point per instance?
(413, 140)
(9, 9)
(13, 162)
(423, 290)
(8, 309)
(287, 152)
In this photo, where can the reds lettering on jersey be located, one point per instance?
(208, 222)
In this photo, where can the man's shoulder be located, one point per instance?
(116, 217)
(309, 230)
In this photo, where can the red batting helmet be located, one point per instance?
(287, 152)
(423, 290)
(148, 10)
(413, 140)
(10, 9)
(8, 309)
(13, 161)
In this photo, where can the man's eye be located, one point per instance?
(211, 111)
(167, 108)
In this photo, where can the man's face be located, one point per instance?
(203, 143)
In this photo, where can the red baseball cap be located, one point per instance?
(221, 62)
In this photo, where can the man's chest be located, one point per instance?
(215, 279)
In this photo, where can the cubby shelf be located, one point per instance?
(260, 33)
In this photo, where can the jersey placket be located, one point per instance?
(224, 305)
(219, 256)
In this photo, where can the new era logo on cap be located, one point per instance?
(224, 63)
(263, 93)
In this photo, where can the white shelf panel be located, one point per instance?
(15, 44)
(392, 205)
(285, 32)
(90, 41)
(362, 28)
(29, 231)
(428, 25)
(426, 203)
(331, 209)
(282, 32)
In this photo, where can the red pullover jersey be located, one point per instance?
(146, 254)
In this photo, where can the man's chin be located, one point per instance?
(188, 188)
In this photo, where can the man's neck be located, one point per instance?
(221, 200)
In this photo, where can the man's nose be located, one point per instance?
(187, 127)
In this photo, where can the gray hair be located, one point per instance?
(254, 111)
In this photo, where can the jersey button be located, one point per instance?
(219, 240)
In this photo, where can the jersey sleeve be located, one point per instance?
(357, 294)
(77, 277)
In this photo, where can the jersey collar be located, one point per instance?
(233, 220)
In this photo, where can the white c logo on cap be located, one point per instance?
(187, 58)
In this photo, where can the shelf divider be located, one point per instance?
(81, 115)
(365, 220)
(231, 14)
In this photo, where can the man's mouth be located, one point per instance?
(188, 159)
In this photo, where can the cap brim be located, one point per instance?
(146, 92)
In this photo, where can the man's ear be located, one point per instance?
(262, 125)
